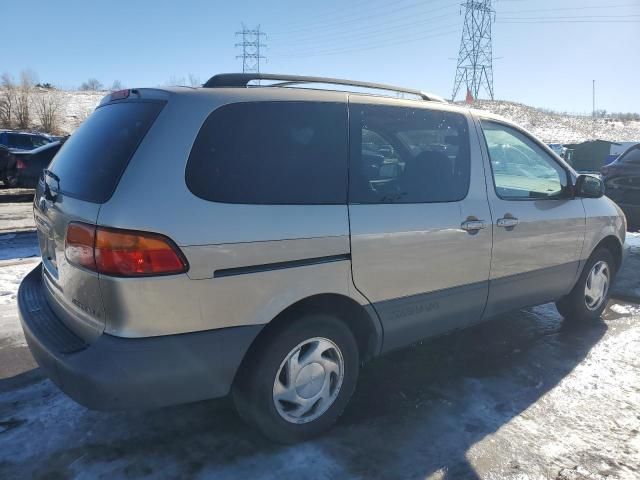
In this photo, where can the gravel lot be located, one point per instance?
(521, 397)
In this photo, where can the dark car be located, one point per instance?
(622, 183)
(5, 155)
(23, 141)
(24, 168)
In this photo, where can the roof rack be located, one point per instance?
(243, 79)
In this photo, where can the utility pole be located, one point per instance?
(475, 59)
(251, 45)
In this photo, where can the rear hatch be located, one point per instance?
(81, 177)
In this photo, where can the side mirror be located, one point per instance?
(588, 186)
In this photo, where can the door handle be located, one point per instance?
(507, 222)
(473, 226)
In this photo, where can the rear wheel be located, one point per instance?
(589, 297)
(10, 180)
(299, 379)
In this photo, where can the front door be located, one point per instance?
(538, 226)
(419, 217)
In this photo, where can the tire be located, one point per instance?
(577, 306)
(264, 382)
(10, 181)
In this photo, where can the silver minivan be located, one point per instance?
(265, 240)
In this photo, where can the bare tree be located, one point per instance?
(92, 84)
(48, 106)
(117, 85)
(28, 78)
(176, 81)
(23, 99)
(194, 81)
(7, 101)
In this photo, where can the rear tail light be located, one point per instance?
(123, 253)
(20, 165)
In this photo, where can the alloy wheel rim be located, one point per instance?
(308, 380)
(597, 285)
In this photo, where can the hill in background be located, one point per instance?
(551, 127)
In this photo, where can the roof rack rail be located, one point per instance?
(243, 79)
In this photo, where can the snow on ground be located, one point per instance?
(18, 255)
(10, 278)
(523, 397)
(564, 128)
(632, 240)
(626, 309)
(17, 246)
(16, 217)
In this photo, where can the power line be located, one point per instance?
(369, 33)
(475, 59)
(568, 21)
(571, 17)
(371, 46)
(251, 44)
(382, 25)
(347, 20)
(349, 9)
(581, 7)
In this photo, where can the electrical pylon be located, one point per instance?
(475, 60)
(251, 45)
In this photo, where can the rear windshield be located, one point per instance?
(91, 162)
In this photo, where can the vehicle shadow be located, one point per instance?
(437, 399)
(416, 412)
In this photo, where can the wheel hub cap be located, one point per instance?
(597, 286)
(308, 380)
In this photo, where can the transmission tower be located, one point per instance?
(475, 60)
(251, 45)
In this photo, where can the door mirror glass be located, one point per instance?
(588, 186)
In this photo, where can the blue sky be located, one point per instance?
(407, 42)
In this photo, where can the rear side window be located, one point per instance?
(631, 156)
(272, 153)
(20, 141)
(92, 160)
(39, 141)
(408, 155)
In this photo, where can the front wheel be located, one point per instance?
(589, 297)
(298, 380)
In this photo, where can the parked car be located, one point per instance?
(5, 155)
(23, 140)
(558, 149)
(229, 240)
(622, 183)
(25, 167)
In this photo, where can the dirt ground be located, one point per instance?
(522, 397)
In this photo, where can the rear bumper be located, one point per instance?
(114, 373)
